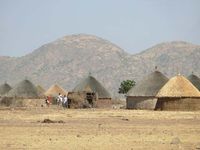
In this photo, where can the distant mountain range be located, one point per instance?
(67, 60)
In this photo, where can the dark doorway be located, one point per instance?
(90, 98)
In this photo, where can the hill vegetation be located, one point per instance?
(67, 60)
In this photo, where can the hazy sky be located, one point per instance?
(134, 25)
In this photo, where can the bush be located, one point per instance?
(125, 86)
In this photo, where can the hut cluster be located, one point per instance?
(154, 92)
(24, 89)
(88, 93)
(157, 92)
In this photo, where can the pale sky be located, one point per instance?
(134, 25)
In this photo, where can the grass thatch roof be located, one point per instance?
(54, 90)
(40, 90)
(4, 89)
(90, 84)
(149, 86)
(178, 86)
(24, 89)
(195, 81)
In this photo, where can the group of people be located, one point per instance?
(60, 100)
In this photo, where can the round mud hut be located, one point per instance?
(91, 91)
(195, 80)
(178, 94)
(143, 94)
(24, 89)
(54, 90)
(4, 89)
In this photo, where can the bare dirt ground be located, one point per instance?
(98, 129)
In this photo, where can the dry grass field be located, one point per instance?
(98, 129)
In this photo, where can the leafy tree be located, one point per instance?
(126, 85)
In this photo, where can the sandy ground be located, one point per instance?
(98, 129)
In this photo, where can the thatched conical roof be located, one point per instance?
(178, 86)
(54, 90)
(91, 84)
(24, 89)
(40, 90)
(149, 86)
(4, 89)
(195, 81)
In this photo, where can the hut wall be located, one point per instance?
(19, 102)
(103, 103)
(148, 103)
(76, 99)
(184, 104)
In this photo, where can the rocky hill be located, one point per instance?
(67, 60)
(173, 58)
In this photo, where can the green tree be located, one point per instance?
(125, 86)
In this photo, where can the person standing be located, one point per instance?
(65, 101)
(48, 101)
(59, 99)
